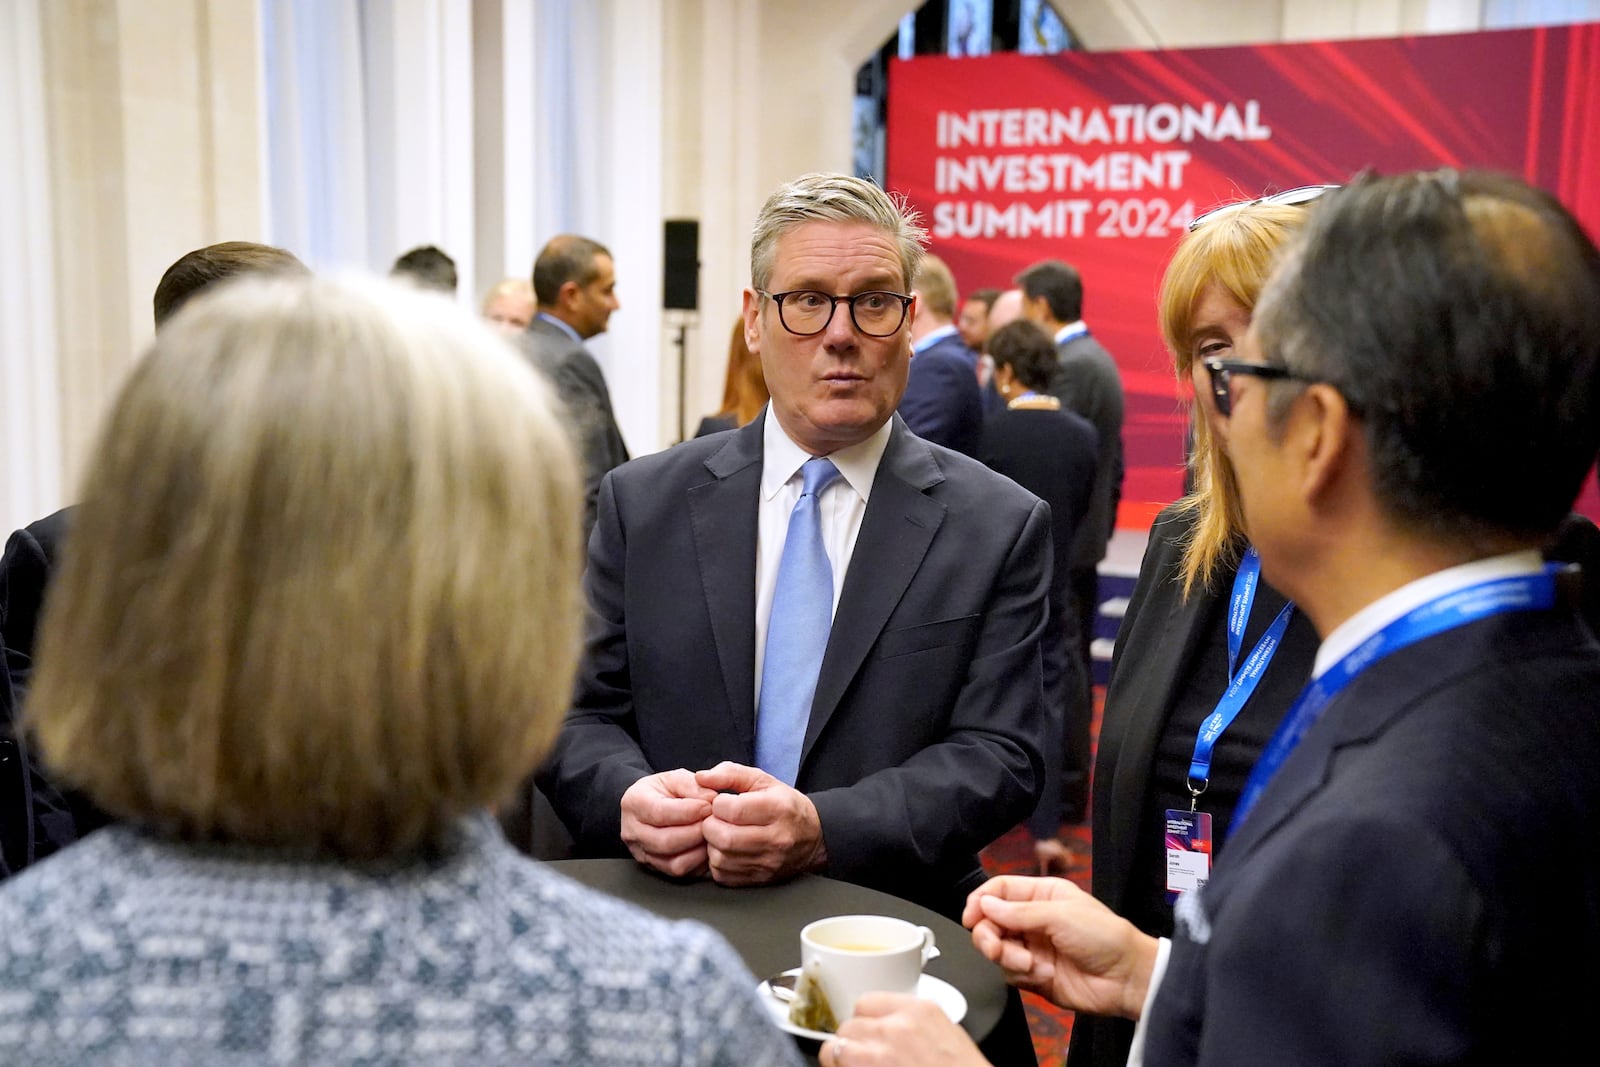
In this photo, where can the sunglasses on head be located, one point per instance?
(1288, 198)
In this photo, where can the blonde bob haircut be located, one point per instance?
(1235, 251)
(322, 589)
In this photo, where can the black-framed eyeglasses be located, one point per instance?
(807, 312)
(1288, 198)
(1221, 372)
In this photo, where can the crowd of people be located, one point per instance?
(351, 572)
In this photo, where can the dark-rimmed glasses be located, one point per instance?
(1221, 372)
(807, 312)
(1288, 198)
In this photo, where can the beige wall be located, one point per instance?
(155, 147)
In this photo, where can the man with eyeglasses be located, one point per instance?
(1411, 876)
(815, 640)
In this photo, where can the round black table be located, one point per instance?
(763, 925)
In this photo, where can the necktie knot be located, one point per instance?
(816, 475)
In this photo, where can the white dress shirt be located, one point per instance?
(841, 508)
(1346, 638)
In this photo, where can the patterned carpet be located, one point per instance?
(1013, 854)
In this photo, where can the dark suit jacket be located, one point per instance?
(1087, 381)
(31, 554)
(1418, 884)
(941, 402)
(1052, 455)
(926, 733)
(582, 388)
(37, 817)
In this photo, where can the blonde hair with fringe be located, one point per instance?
(1235, 251)
(322, 590)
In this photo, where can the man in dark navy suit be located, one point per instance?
(1412, 875)
(923, 741)
(942, 403)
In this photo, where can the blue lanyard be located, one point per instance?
(1242, 681)
(1500, 596)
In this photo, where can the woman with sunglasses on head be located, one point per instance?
(1208, 658)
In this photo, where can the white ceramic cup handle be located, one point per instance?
(929, 949)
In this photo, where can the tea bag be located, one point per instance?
(810, 1008)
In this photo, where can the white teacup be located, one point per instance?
(856, 954)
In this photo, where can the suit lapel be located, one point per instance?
(1147, 708)
(723, 518)
(899, 525)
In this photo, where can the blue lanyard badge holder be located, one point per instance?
(1188, 841)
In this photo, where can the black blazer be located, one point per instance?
(1419, 883)
(1052, 454)
(37, 817)
(583, 391)
(1087, 381)
(941, 402)
(926, 734)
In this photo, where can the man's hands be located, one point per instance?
(760, 830)
(890, 1029)
(738, 824)
(1052, 938)
(662, 819)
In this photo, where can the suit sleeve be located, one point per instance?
(597, 756)
(1359, 946)
(941, 403)
(24, 573)
(938, 808)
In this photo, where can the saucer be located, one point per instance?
(942, 993)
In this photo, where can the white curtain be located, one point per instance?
(380, 113)
(316, 130)
(30, 412)
(1509, 14)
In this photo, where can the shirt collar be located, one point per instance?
(558, 324)
(1071, 330)
(1351, 633)
(782, 459)
(934, 338)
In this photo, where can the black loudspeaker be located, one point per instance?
(680, 274)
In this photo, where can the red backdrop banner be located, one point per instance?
(1101, 159)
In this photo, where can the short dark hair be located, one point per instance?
(986, 297)
(427, 266)
(1060, 286)
(1027, 350)
(206, 266)
(1459, 315)
(565, 258)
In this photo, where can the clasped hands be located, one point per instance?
(738, 824)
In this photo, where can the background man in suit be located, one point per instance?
(1410, 419)
(973, 322)
(1088, 383)
(38, 818)
(576, 286)
(941, 403)
(917, 738)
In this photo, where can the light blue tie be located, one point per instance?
(797, 631)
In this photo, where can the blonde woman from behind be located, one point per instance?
(318, 616)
